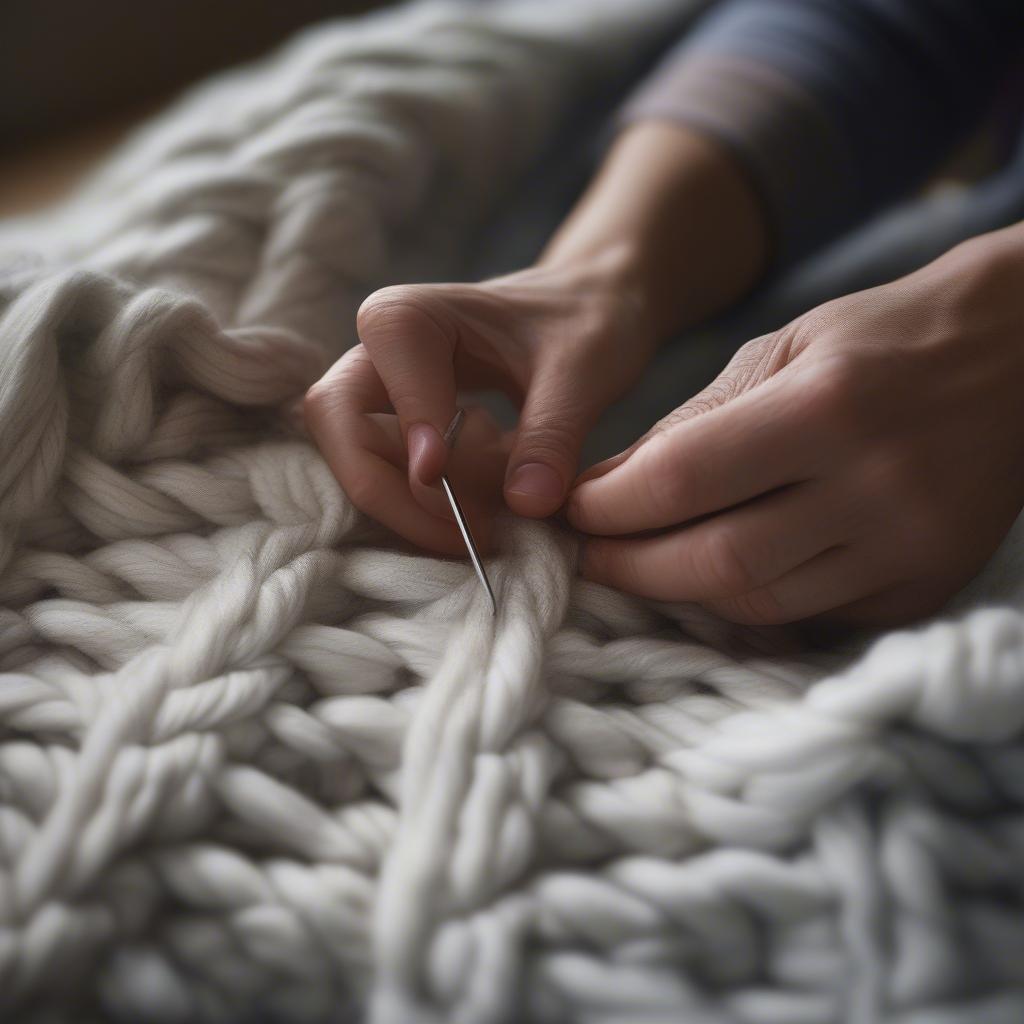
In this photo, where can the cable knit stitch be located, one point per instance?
(257, 764)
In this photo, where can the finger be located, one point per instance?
(835, 578)
(392, 506)
(475, 469)
(552, 425)
(342, 412)
(476, 464)
(748, 447)
(386, 441)
(756, 361)
(723, 556)
(339, 413)
(411, 338)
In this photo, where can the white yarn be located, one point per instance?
(255, 762)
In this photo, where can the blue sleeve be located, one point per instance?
(837, 107)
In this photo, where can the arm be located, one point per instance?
(835, 107)
(672, 218)
(681, 219)
(861, 463)
(669, 231)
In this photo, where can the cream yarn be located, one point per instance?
(256, 764)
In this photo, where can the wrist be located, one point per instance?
(671, 220)
(613, 269)
(983, 276)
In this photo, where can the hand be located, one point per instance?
(563, 339)
(862, 462)
(563, 342)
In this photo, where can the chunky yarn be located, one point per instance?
(256, 763)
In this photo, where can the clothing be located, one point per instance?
(837, 107)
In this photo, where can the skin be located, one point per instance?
(859, 464)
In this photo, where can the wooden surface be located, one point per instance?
(46, 171)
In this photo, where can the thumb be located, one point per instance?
(752, 364)
(410, 337)
(552, 425)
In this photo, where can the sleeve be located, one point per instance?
(835, 107)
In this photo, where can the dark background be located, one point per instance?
(67, 63)
(76, 75)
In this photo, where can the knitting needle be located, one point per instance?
(450, 436)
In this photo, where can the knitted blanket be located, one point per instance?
(257, 763)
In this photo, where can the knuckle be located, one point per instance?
(764, 356)
(721, 566)
(835, 396)
(330, 393)
(669, 483)
(317, 401)
(723, 389)
(378, 310)
(752, 364)
(548, 442)
(398, 312)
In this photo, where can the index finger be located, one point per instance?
(412, 346)
(747, 447)
(339, 414)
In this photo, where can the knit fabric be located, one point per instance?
(256, 763)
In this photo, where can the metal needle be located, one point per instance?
(450, 436)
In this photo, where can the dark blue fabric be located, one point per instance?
(901, 81)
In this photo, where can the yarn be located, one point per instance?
(258, 763)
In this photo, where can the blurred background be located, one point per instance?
(75, 76)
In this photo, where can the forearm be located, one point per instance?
(983, 276)
(671, 218)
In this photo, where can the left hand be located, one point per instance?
(861, 463)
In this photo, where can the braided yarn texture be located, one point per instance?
(259, 764)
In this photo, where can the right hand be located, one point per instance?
(560, 342)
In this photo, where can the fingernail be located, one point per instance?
(419, 440)
(536, 480)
